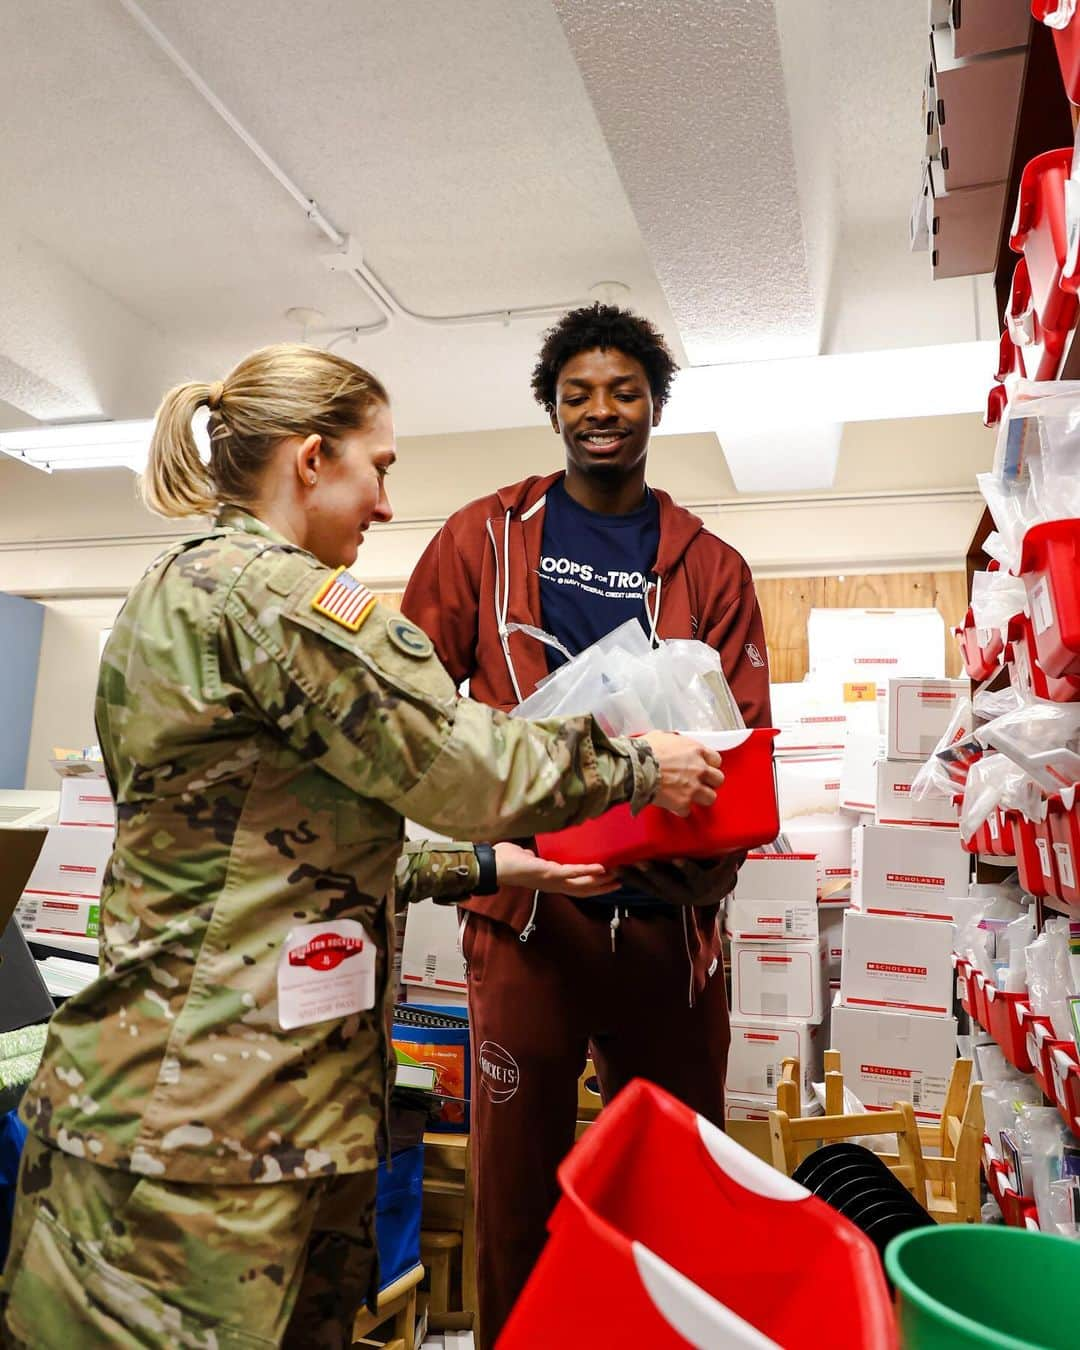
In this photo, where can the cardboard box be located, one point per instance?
(776, 896)
(744, 1109)
(778, 979)
(893, 803)
(862, 750)
(86, 802)
(905, 870)
(964, 227)
(888, 1057)
(56, 915)
(431, 953)
(977, 99)
(758, 1048)
(860, 646)
(919, 712)
(831, 923)
(986, 27)
(808, 785)
(810, 716)
(897, 963)
(829, 838)
(70, 866)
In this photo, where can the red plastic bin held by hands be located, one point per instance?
(1039, 233)
(745, 814)
(1062, 17)
(1050, 566)
(668, 1234)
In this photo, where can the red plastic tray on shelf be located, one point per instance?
(745, 815)
(1039, 232)
(1040, 347)
(963, 977)
(1029, 863)
(1005, 1013)
(1050, 566)
(980, 648)
(695, 1250)
(1010, 357)
(1038, 1029)
(995, 837)
(1070, 1105)
(1059, 1056)
(997, 400)
(1065, 837)
(1025, 672)
(1060, 16)
(979, 1003)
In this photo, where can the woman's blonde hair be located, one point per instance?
(286, 390)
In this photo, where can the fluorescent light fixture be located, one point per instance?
(758, 396)
(798, 458)
(81, 445)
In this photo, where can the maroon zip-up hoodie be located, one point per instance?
(478, 576)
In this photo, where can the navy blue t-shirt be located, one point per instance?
(594, 570)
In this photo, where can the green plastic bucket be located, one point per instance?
(961, 1286)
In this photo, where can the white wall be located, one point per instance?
(79, 541)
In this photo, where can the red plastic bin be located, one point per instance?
(1039, 348)
(963, 978)
(1025, 672)
(979, 1002)
(744, 815)
(1050, 566)
(1059, 16)
(1029, 859)
(1065, 839)
(1039, 1029)
(1060, 1059)
(695, 1249)
(1039, 233)
(980, 648)
(1005, 1013)
(1069, 1106)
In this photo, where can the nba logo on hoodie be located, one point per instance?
(753, 655)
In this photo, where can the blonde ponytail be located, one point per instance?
(286, 390)
(176, 481)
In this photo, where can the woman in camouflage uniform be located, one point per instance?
(201, 1165)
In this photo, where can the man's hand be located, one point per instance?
(517, 866)
(686, 881)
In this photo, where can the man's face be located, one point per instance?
(604, 412)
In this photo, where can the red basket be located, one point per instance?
(1065, 838)
(963, 982)
(1039, 347)
(1050, 565)
(745, 815)
(1030, 844)
(695, 1249)
(1070, 1104)
(1039, 233)
(979, 1002)
(1066, 40)
(1039, 1029)
(1026, 674)
(980, 648)
(1005, 1013)
(1060, 1059)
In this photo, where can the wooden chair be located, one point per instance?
(589, 1103)
(950, 1150)
(448, 1231)
(397, 1301)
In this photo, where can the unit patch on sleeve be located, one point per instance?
(407, 638)
(345, 600)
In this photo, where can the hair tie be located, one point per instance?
(214, 395)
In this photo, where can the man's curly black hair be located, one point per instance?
(608, 328)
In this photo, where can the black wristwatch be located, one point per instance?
(489, 872)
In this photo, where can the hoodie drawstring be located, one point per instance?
(653, 613)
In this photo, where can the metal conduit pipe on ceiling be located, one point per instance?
(346, 258)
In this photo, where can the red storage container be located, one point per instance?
(1025, 672)
(1039, 347)
(1029, 862)
(1061, 1059)
(1039, 233)
(1050, 566)
(1069, 1106)
(1006, 1017)
(695, 1250)
(1044, 844)
(745, 815)
(963, 977)
(981, 648)
(1010, 358)
(979, 1003)
(1039, 1030)
(1065, 838)
(1060, 16)
(997, 400)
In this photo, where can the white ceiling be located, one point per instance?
(745, 168)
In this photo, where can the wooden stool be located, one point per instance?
(448, 1211)
(397, 1300)
(437, 1252)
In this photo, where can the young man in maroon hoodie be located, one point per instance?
(635, 976)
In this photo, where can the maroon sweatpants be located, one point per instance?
(536, 1008)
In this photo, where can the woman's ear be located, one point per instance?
(309, 459)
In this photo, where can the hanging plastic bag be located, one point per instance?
(1041, 738)
(996, 597)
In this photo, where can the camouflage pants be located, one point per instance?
(102, 1258)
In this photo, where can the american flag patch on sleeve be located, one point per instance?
(345, 600)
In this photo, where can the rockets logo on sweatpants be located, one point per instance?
(499, 1073)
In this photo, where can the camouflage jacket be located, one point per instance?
(263, 756)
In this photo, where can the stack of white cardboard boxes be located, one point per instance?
(892, 1020)
(62, 896)
(779, 981)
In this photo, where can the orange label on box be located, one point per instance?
(860, 691)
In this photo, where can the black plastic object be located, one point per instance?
(858, 1185)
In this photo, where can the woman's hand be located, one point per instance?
(689, 772)
(517, 866)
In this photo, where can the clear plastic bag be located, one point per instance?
(995, 781)
(938, 777)
(1042, 739)
(996, 597)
